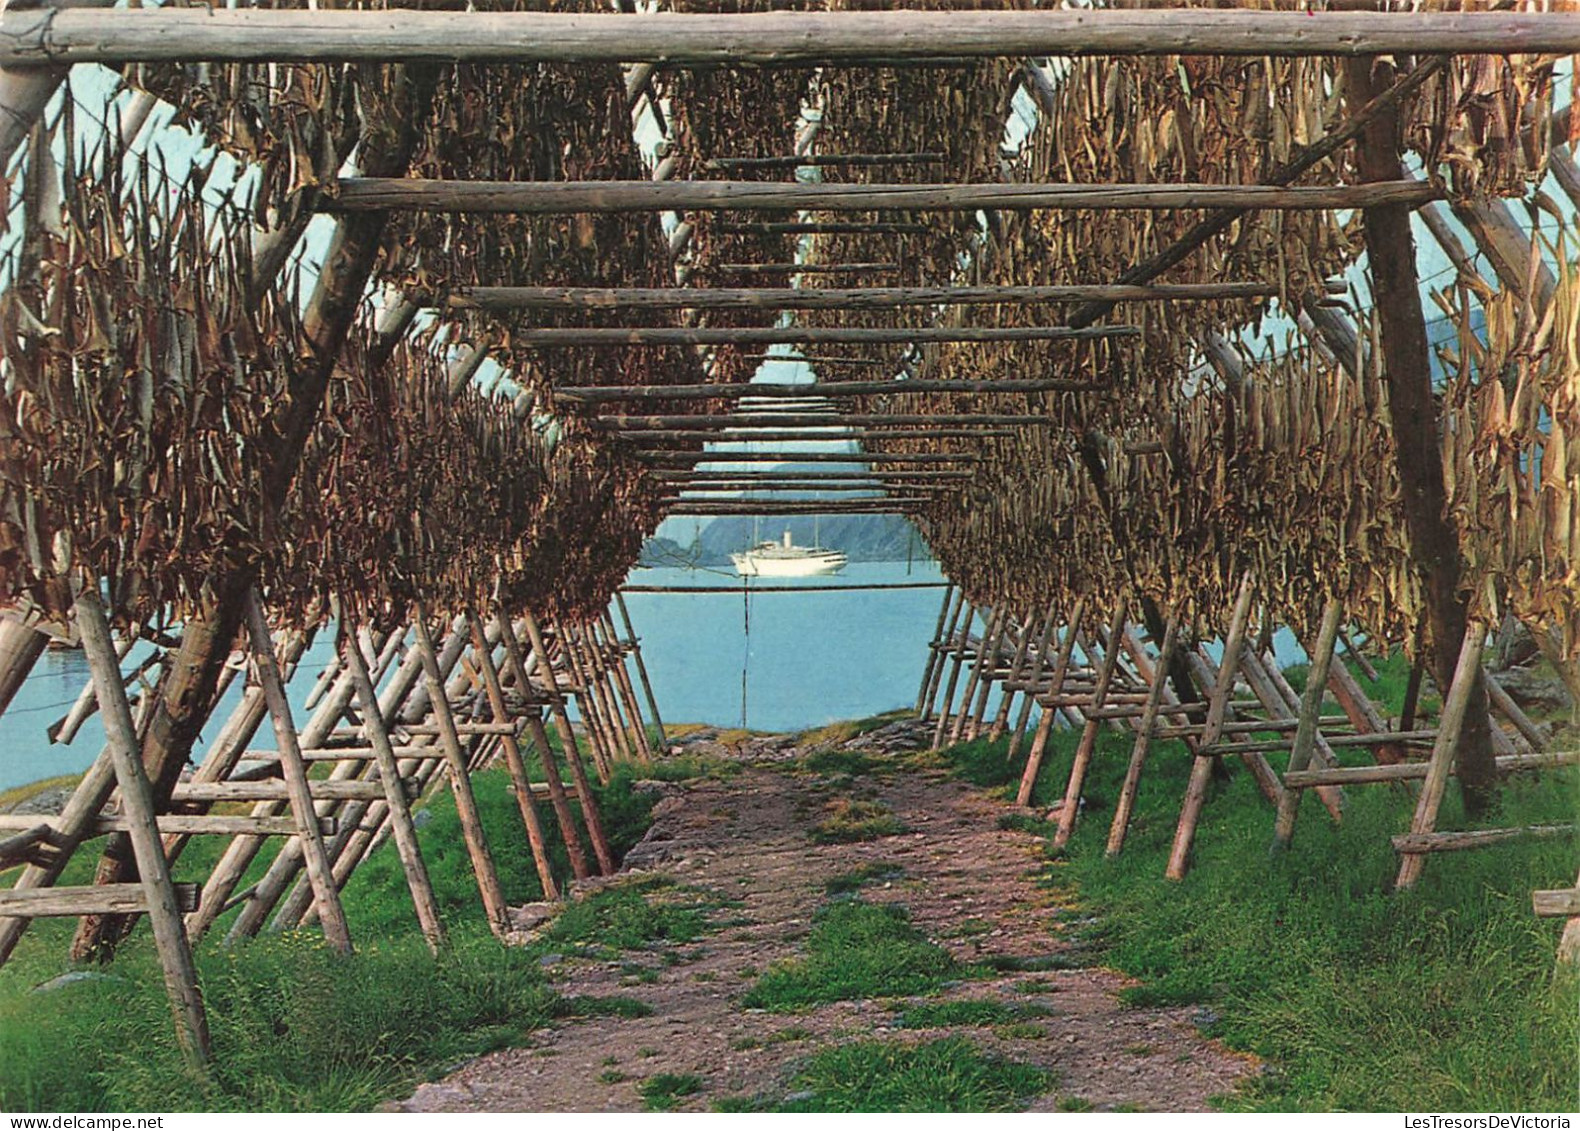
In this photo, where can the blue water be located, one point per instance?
(810, 658)
(807, 658)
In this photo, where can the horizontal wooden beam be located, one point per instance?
(889, 505)
(1414, 843)
(61, 36)
(501, 299)
(755, 589)
(560, 337)
(821, 389)
(806, 457)
(183, 824)
(703, 435)
(877, 268)
(752, 476)
(382, 194)
(95, 899)
(1414, 771)
(824, 160)
(829, 419)
(211, 792)
(1560, 904)
(790, 493)
(826, 228)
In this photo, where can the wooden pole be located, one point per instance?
(561, 337)
(922, 699)
(825, 415)
(1157, 686)
(562, 719)
(1088, 744)
(1310, 713)
(945, 647)
(600, 735)
(988, 644)
(320, 872)
(1217, 708)
(584, 792)
(1034, 679)
(1017, 667)
(488, 886)
(623, 684)
(1061, 668)
(484, 651)
(1467, 672)
(137, 806)
(1434, 537)
(32, 38)
(395, 797)
(959, 646)
(384, 194)
(641, 667)
(1282, 702)
(763, 390)
(21, 644)
(507, 299)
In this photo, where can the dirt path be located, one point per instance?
(968, 885)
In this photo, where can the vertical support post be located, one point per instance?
(958, 645)
(488, 885)
(1310, 712)
(1039, 742)
(986, 646)
(1088, 744)
(1138, 752)
(562, 719)
(988, 671)
(615, 662)
(1033, 678)
(518, 774)
(944, 651)
(583, 787)
(394, 796)
(598, 736)
(137, 803)
(21, 644)
(641, 667)
(1201, 769)
(1467, 676)
(932, 651)
(320, 873)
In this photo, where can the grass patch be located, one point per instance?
(976, 1013)
(591, 1005)
(633, 915)
(876, 873)
(1445, 997)
(947, 1075)
(296, 1026)
(846, 821)
(11, 798)
(665, 1091)
(855, 950)
(837, 761)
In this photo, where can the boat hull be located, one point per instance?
(811, 565)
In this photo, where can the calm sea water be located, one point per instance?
(808, 658)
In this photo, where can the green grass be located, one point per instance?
(633, 915)
(296, 1027)
(875, 873)
(974, 1013)
(846, 822)
(1444, 997)
(947, 1075)
(855, 950)
(664, 1091)
(837, 761)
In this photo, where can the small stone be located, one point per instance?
(797, 1097)
(551, 959)
(71, 979)
(422, 818)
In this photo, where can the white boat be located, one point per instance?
(786, 559)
